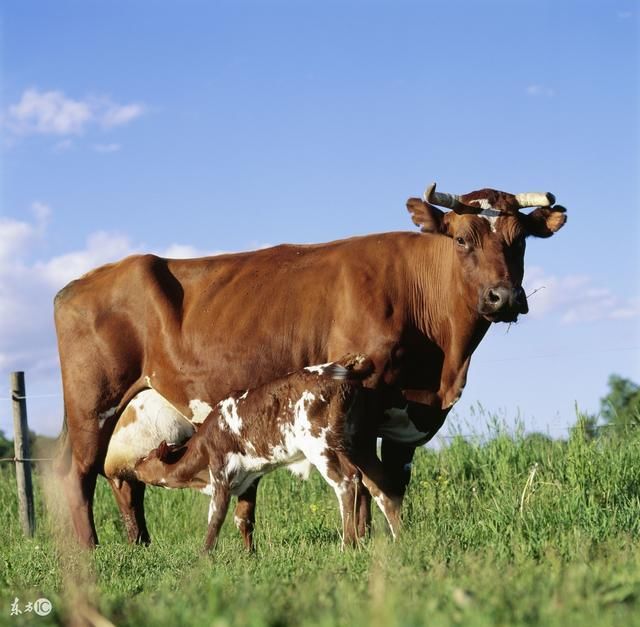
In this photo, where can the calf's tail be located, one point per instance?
(350, 368)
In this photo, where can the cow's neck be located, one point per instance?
(444, 314)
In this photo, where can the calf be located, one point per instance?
(315, 413)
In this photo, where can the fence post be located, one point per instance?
(22, 454)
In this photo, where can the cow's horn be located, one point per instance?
(535, 199)
(451, 201)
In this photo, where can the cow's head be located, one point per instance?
(487, 232)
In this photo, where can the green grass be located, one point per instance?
(507, 531)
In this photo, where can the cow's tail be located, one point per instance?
(350, 368)
(62, 458)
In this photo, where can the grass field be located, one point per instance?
(507, 531)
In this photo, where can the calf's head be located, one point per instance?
(487, 232)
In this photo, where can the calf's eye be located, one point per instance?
(460, 241)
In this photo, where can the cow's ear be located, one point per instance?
(426, 216)
(545, 221)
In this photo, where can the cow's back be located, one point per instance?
(198, 329)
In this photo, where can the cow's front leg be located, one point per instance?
(396, 460)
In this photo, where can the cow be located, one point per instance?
(193, 331)
(315, 413)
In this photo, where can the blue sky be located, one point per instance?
(194, 127)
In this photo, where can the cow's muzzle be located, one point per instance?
(502, 303)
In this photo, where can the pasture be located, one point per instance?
(507, 530)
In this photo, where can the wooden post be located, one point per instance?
(22, 453)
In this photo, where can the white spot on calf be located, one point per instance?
(212, 493)
(301, 469)
(229, 415)
(242, 470)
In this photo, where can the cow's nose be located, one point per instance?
(504, 300)
(496, 298)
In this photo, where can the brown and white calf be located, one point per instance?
(312, 414)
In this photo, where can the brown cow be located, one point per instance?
(314, 413)
(193, 331)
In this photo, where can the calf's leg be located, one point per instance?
(245, 514)
(129, 496)
(342, 476)
(381, 490)
(387, 491)
(220, 496)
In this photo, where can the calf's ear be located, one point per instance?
(426, 216)
(545, 221)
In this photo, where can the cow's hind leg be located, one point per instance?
(79, 485)
(129, 496)
(245, 514)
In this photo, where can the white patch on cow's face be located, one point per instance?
(399, 428)
(199, 410)
(237, 521)
(229, 415)
(490, 214)
(106, 414)
(492, 220)
(149, 419)
(319, 369)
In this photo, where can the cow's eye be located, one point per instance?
(460, 241)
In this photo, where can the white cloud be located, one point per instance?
(107, 148)
(48, 112)
(184, 251)
(537, 90)
(100, 248)
(574, 298)
(53, 113)
(116, 115)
